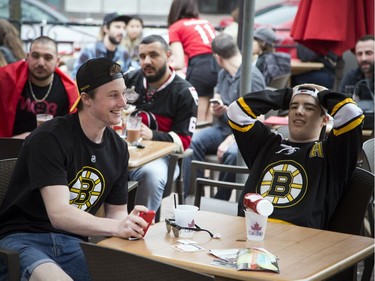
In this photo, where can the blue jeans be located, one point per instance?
(206, 141)
(152, 178)
(38, 248)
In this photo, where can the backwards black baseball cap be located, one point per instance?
(94, 73)
(115, 17)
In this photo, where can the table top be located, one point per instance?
(304, 253)
(152, 150)
(298, 67)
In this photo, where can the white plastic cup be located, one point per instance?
(255, 225)
(184, 216)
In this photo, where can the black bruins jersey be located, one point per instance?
(304, 181)
(170, 112)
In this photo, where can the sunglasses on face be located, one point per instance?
(175, 228)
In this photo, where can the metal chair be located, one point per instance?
(10, 147)
(175, 185)
(198, 185)
(171, 185)
(10, 258)
(280, 82)
(368, 149)
(349, 215)
(107, 264)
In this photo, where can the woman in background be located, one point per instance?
(190, 40)
(133, 37)
(11, 46)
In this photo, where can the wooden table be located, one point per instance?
(299, 67)
(304, 253)
(153, 150)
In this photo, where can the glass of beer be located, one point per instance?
(41, 118)
(133, 128)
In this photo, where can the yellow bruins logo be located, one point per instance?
(284, 183)
(86, 188)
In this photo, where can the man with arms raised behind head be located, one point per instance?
(67, 169)
(34, 86)
(303, 176)
(168, 107)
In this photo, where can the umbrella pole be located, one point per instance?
(339, 73)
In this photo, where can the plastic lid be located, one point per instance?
(264, 207)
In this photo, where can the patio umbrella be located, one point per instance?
(331, 26)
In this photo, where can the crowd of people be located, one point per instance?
(192, 77)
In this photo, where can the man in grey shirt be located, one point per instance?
(218, 138)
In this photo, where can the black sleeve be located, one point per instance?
(263, 101)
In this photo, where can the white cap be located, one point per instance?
(264, 207)
(309, 89)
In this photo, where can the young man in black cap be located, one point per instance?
(111, 34)
(67, 169)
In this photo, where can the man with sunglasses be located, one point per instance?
(303, 176)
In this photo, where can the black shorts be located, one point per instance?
(202, 74)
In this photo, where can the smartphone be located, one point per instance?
(148, 217)
(215, 101)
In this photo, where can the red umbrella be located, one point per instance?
(331, 25)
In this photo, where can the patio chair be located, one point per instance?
(171, 185)
(279, 82)
(10, 147)
(349, 215)
(175, 185)
(107, 264)
(198, 184)
(368, 149)
(10, 258)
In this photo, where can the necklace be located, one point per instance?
(46, 95)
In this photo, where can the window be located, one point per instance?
(217, 6)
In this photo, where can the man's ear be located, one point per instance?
(85, 98)
(325, 119)
(105, 28)
(169, 55)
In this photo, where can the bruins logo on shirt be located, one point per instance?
(284, 183)
(86, 188)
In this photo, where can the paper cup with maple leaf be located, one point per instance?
(255, 225)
